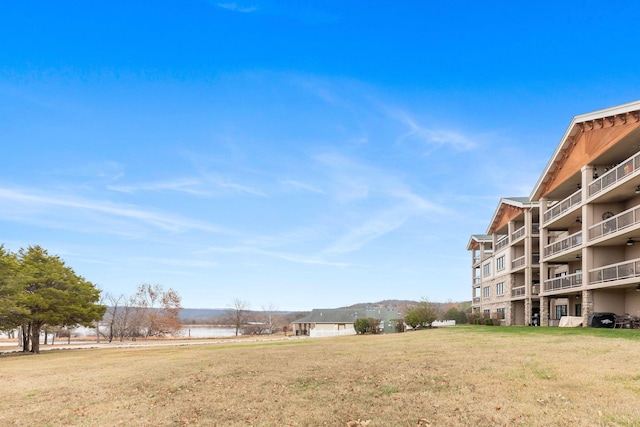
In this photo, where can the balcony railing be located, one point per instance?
(563, 206)
(565, 244)
(476, 259)
(518, 234)
(518, 262)
(616, 174)
(535, 289)
(535, 228)
(618, 222)
(502, 243)
(477, 281)
(619, 271)
(563, 282)
(535, 258)
(520, 291)
(476, 301)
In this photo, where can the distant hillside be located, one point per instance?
(392, 303)
(201, 315)
(212, 315)
(388, 303)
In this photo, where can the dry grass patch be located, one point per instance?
(446, 377)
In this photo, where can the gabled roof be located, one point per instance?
(476, 239)
(508, 208)
(576, 150)
(347, 315)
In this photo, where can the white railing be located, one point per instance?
(518, 262)
(618, 222)
(563, 206)
(476, 259)
(619, 271)
(518, 234)
(520, 291)
(502, 243)
(616, 174)
(319, 333)
(535, 289)
(477, 281)
(476, 300)
(563, 282)
(565, 244)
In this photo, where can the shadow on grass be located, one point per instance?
(629, 334)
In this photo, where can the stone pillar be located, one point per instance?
(587, 306)
(527, 311)
(544, 311)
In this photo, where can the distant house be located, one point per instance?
(329, 322)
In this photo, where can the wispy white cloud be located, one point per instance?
(301, 186)
(204, 186)
(295, 258)
(185, 185)
(41, 204)
(431, 137)
(237, 8)
(176, 262)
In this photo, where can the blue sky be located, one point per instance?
(296, 154)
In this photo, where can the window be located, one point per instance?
(500, 263)
(578, 310)
(561, 310)
(486, 292)
(500, 312)
(500, 288)
(486, 270)
(487, 313)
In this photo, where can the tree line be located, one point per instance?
(40, 293)
(38, 290)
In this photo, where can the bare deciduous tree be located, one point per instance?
(237, 315)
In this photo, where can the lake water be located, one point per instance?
(190, 331)
(206, 332)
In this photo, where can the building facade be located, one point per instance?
(578, 231)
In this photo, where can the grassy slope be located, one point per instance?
(480, 376)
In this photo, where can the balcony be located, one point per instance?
(502, 243)
(615, 223)
(520, 291)
(615, 175)
(619, 271)
(563, 282)
(518, 262)
(476, 282)
(518, 234)
(535, 228)
(563, 245)
(476, 300)
(563, 206)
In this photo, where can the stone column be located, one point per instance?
(544, 311)
(527, 311)
(587, 306)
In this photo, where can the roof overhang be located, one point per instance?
(571, 135)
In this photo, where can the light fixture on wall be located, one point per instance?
(578, 256)
(579, 220)
(580, 186)
(630, 242)
(578, 295)
(595, 173)
(638, 288)
(638, 189)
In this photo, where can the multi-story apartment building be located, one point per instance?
(587, 202)
(506, 264)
